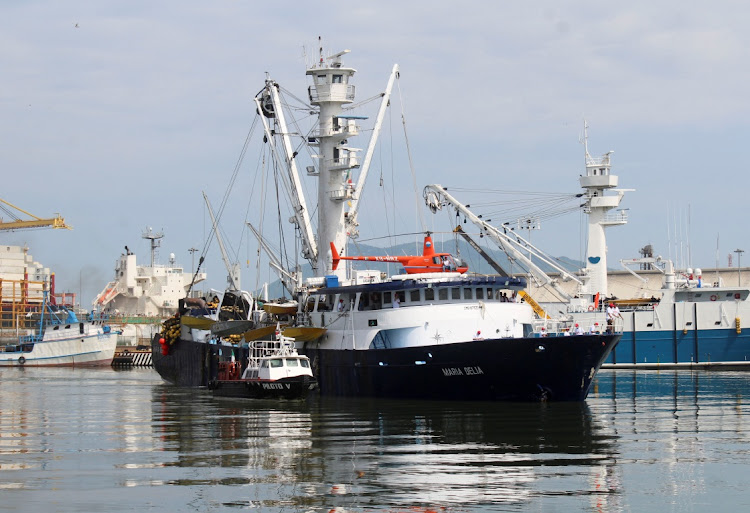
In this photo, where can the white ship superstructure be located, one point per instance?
(141, 296)
(598, 206)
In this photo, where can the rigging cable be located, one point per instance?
(231, 184)
(411, 164)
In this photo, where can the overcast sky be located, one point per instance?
(118, 115)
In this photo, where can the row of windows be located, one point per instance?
(379, 300)
(335, 79)
(290, 362)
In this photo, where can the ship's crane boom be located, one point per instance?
(497, 267)
(36, 222)
(435, 196)
(351, 219)
(233, 270)
(290, 281)
(288, 161)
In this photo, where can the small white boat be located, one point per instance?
(274, 371)
(62, 342)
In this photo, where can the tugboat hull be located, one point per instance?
(295, 388)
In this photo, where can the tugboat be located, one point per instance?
(434, 332)
(274, 371)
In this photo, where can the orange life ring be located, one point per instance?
(591, 308)
(714, 297)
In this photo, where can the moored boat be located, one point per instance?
(668, 317)
(62, 340)
(272, 370)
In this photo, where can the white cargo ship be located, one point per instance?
(140, 297)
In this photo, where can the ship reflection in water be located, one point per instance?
(356, 454)
(75, 440)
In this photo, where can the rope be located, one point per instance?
(411, 163)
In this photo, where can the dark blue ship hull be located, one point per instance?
(523, 369)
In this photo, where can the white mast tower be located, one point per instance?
(330, 90)
(597, 180)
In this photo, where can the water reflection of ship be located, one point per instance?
(451, 455)
(701, 388)
(374, 454)
(682, 411)
(266, 434)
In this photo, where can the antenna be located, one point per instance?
(155, 239)
(192, 252)
(585, 137)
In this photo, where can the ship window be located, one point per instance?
(276, 362)
(467, 293)
(80, 327)
(489, 293)
(414, 296)
(305, 364)
(323, 305)
(455, 293)
(436, 260)
(337, 79)
(321, 79)
(292, 362)
(386, 298)
(443, 294)
(56, 328)
(429, 294)
(264, 364)
(480, 293)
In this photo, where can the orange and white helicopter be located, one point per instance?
(428, 262)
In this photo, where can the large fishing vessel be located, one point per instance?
(688, 321)
(434, 331)
(668, 317)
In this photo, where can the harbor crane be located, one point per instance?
(16, 223)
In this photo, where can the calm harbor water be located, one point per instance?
(106, 440)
